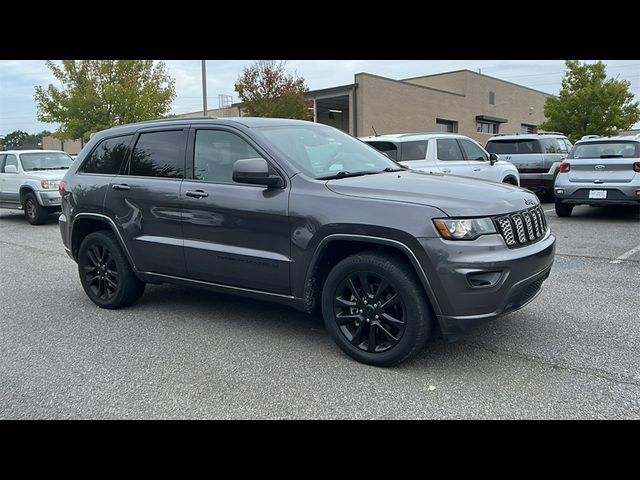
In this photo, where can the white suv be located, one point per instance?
(29, 181)
(445, 153)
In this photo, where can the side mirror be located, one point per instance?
(10, 169)
(255, 171)
(493, 158)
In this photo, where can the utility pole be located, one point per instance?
(204, 88)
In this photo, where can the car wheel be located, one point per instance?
(375, 309)
(105, 273)
(33, 211)
(563, 209)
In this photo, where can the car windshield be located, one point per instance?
(513, 147)
(45, 161)
(606, 150)
(324, 152)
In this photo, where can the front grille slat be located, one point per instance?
(522, 228)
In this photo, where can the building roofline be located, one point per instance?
(410, 84)
(480, 75)
(323, 91)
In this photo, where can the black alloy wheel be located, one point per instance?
(101, 272)
(376, 309)
(369, 312)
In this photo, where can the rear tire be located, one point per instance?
(105, 273)
(375, 309)
(35, 213)
(563, 209)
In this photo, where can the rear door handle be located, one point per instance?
(121, 186)
(477, 169)
(446, 170)
(196, 193)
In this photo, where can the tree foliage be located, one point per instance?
(99, 94)
(19, 139)
(266, 89)
(590, 103)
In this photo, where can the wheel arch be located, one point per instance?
(25, 190)
(86, 223)
(335, 247)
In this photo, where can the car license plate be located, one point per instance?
(597, 194)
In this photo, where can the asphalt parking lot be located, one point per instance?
(183, 353)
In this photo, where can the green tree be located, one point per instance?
(590, 103)
(99, 94)
(15, 140)
(268, 90)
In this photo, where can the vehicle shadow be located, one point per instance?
(624, 213)
(17, 216)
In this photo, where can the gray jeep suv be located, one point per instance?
(303, 214)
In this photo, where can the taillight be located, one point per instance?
(636, 167)
(61, 188)
(565, 167)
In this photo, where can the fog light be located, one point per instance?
(560, 191)
(637, 193)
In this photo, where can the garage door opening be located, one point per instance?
(334, 111)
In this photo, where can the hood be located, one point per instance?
(455, 196)
(47, 174)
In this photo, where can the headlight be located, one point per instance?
(464, 229)
(48, 184)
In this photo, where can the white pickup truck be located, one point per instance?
(29, 181)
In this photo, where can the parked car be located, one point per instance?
(599, 171)
(29, 181)
(444, 153)
(303, 214)
(536, 156)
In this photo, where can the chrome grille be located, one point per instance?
(522, 228)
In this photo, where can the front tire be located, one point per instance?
(35, 213)
(375, 309)
(563, 209)
(105, 273)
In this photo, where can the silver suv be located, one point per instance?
(29, 181)
(599, 171)
(445, 153)
(536, 156)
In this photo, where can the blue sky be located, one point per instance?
(18, 78)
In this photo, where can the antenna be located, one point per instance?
(374, 130)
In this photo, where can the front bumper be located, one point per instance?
(616, 195)
(49, 198)
(513, 278)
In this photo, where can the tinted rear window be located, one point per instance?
(513, 147)
(108, 156)
(606, 150)
(391, 149)
(159, 154)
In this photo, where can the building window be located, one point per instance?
(446, 126)
(492, 98)
(524, 128)
(487, 127)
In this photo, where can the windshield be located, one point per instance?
(45, 161)
(324, 152)
(513, 147)
(606, 150)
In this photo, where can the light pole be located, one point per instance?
(204, 88)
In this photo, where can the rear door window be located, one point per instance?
(448, 149)
(414, 150)
(159, 154)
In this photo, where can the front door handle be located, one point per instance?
(446, 170)
(477, 169)
(196, 193)
(121, 187)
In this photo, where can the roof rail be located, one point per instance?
(586, 137)
(551, 133)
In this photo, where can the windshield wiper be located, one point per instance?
(346, 173)
(389, 169)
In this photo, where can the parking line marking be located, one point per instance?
(550, 210)
(626, 255)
